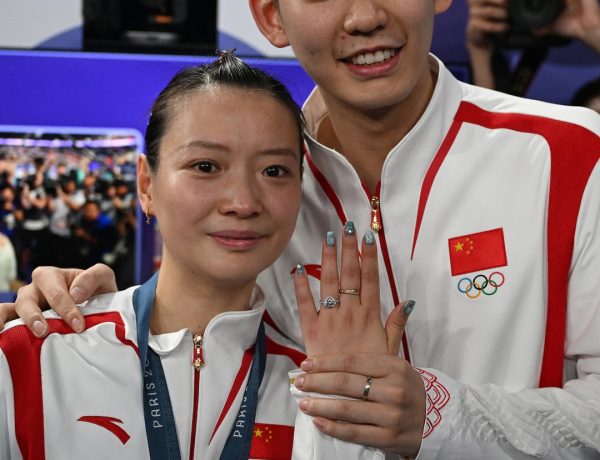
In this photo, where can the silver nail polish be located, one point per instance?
(369, 238)
(349, 228)
(300, 269)
(330, 239)
(408, 306)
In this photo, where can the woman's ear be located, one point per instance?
(144, 185)
(266, 16)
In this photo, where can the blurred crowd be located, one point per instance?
(66, 208)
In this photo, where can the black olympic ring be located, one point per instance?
(479, 284)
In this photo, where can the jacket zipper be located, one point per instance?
(376, 224)
(197, 364)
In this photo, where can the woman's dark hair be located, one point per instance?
(586, 93)
(228, 70)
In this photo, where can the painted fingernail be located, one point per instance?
(408, 306)
(77, 325)
(300, 269)
(330, 239)
(39, 328)
(299, 381)
(303, 404)
(369, 238)
(307, 365)
(349, 228)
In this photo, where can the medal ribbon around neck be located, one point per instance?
(161, 430)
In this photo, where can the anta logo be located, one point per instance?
(108, 423)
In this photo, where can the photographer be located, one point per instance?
(580, 20)
(34, 200)
(66, 203)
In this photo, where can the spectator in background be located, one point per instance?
(96, 235)
(66, 203)
(580, 20)
(8, 265)
(34, 201)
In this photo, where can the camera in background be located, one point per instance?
(526, 16)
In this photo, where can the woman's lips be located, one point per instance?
(235, 239)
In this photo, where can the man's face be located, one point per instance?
(366, 54)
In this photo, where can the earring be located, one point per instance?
(147, 218)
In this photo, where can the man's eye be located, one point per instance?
(206, 167)
(275, 171)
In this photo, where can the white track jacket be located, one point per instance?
(490, 209)
(79, 396)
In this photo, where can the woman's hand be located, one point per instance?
(60, 289)
(352, 354)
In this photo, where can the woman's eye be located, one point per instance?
(275, 171)
(206, 167)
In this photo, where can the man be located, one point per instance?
(486, 213)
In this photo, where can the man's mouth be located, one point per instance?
(376, 57)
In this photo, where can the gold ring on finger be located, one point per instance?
(350, 291)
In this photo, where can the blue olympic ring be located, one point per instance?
(480, 284)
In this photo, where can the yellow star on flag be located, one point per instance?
(458, 246)
(258, 433)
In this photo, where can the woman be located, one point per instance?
(222, 176)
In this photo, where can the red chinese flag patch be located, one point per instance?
(272, 441)
(478, 251)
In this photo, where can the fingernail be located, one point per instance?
(307, 365)
(349, 228)
(408, 306)
(299, 381)
(330, 239)
(319, 423)
(300, 269)
(39, 328)
(78, 294)
(77, 325)
(369, 238)
(303, 404)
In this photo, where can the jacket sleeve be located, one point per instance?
(487, 421)
(311, 444)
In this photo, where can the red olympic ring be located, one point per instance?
(480, 283)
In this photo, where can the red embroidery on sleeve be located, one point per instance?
(437, 396)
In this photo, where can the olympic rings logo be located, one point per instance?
(481, 284)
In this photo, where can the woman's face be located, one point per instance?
(227, 189)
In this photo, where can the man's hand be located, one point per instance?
(579, 20)
(485, 17)
(59, 289)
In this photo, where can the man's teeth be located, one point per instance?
(373, 58)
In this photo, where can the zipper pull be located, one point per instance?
(198, 361)
(376, 224)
